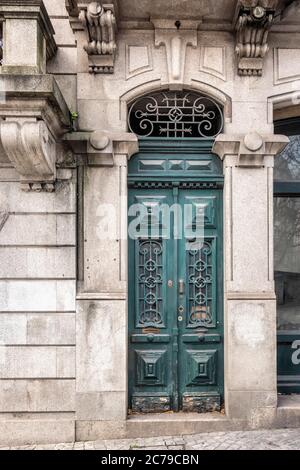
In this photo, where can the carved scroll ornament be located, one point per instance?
(31, 149)
(254, 20)
(100, 25)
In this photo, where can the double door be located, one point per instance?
(175, 299)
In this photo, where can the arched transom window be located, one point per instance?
(175, 114)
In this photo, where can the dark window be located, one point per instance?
(287, 227)
(175, 114)
(1, 42)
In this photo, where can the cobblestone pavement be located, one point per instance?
(286, 439)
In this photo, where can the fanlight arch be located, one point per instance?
(176, 114)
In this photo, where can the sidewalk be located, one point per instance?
(285, 439)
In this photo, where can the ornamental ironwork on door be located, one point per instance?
(175, 277)
(175, 114)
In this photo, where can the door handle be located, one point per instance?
(181, 287)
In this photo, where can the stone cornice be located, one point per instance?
(250, 149)
(37, 96)
(31, 9)
(98, 148)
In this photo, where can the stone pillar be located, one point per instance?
(250, 303)
(27, 37)
(101, 342)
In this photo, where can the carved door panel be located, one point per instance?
(151, 305)
(175, 300)
(200, 298)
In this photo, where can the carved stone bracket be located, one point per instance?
(31, 128)
(253, 21)
(250, 149)
(99, 148)
(99, 23)
(31, 149)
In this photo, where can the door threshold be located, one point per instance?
(180, 416)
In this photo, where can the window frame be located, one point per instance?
(287, 382)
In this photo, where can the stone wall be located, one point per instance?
(43, 250)
(64, 65)
(37, 310)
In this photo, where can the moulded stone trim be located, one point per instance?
(251, 149)
(144, 59)
(214, 65)
(100, 146)
(153, 86)
(286, 104)
(286, 75)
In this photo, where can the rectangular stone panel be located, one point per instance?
(37, 396)
(38, 262)
(101, 346)
(286, 65)
(13, 329)
(102, 406)
(38, 229)
(16, 200)
(65, 61)
(56, 7)
(51, 329)
(251, 345)
(37, 296)
(22, 431)
(68, 87)
(18, 362)
(39, 329)
(64, 35)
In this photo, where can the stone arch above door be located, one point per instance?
(194, 86)
(175, 114)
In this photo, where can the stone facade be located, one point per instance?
(64, 291)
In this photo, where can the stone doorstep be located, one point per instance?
(288, 411)
(289, 402)
(170, 424)
(155, 425)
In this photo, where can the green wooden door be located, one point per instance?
(175, 286)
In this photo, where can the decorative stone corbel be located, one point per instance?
(253, 21)
(99, 23)
(250, 149)
(31, 149)
(31, 128)
(99, 148)
(175, 36)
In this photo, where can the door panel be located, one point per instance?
(150, 306)
(175, 302)
(200, 331)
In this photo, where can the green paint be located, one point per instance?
(175, 285)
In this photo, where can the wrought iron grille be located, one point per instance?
(175, 114)
(201, 279)
(150, 281)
